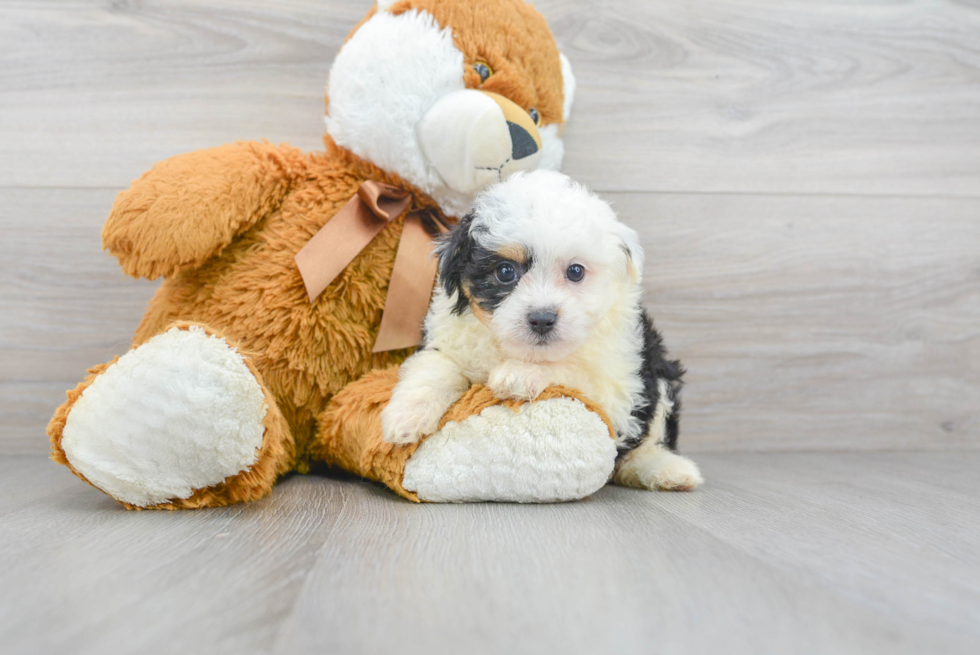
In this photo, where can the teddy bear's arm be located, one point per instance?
(186, 209)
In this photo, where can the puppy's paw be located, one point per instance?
(517, 380)
(677, 474)
(406, 420)
(655, 467)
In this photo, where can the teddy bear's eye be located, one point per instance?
(575, 272)
(482, 70)
(535, 116)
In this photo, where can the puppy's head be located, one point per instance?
(541, 262)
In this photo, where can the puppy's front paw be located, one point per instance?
(405, 421)
(517, 380)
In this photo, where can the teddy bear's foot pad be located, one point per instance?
(179, 413)
(547, 451)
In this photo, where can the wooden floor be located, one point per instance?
(778, 553)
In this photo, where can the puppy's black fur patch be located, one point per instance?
(467, 269)
(453, 251)
(657, 366)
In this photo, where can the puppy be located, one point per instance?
(540, 285)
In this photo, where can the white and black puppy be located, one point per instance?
(540, 285)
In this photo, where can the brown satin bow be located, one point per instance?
(338, 242)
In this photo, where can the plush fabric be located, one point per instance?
(273, 458)
(251, 290)
(350, 437)
(513, 39)
(200, 397)
(559, 447)
(222, 227)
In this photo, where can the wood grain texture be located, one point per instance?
(64, 305)
(857, 97)
(814, 553)
(863, 97)
(816, 322)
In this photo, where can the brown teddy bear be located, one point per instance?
(294, 283)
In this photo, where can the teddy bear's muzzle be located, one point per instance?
(476, 138)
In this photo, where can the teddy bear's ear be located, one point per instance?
(568, 86)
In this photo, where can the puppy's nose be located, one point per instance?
(542, 321)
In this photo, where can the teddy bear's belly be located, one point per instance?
(253, 296)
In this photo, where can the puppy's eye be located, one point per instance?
(535, 116)
(575, 272)
(505, 273)
(483, 71)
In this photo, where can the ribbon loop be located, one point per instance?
(385, 201)
(338, 242)
(345, 235)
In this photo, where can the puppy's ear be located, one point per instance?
(454, 251)
(629, 242)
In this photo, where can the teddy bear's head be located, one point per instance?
(452, 95)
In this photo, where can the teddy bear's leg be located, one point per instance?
(181, 421)
(651, 465)
(557, 448)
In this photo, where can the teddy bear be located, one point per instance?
(294, 284)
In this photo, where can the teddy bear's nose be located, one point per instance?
(525, 140)
(542, 321)
(522, 143)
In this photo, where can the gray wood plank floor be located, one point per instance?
(778, 553)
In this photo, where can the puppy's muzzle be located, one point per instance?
(542, 321)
